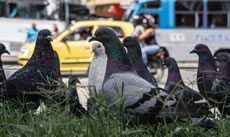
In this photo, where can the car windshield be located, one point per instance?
(67, 28)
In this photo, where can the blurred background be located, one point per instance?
(178, 24)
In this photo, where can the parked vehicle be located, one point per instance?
(75, 52)
(16, 17)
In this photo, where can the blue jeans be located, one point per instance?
(149, 50)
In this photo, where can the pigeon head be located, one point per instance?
(173, 72)
(224, 63)
(112, 44)
(117, 58)
(105, 35)
(223, 57)
(130, 42)
(44, 36)
(206, 60)
(43, 42)
(98, 49)
(3, 49)
(133, 47)
(201, 49)
(169, 62)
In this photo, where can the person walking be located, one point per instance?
(32, 34)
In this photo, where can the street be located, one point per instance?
(188, 74)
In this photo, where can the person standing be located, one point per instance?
(55, 30)
(32, 34)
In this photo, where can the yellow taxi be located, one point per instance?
(74, 50)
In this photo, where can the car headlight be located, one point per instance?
(24, 52)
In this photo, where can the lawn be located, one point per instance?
(101, 121)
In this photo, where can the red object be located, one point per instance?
(114, 11)
(117, 10)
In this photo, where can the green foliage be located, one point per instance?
(100, 121)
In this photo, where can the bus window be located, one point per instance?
(2, 9)
(39, 12)
(28, 10)
(129, 12)
(189, 13)
(152, 4)
(218, 13)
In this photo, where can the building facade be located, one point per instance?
(107, 8)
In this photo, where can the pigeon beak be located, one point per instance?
(77, 81)
(193, 51)
(126, 50)
(74, 81)
(217, 59)
(93, 39)
(50, 38)
(6, 51)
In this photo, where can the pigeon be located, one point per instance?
(175, 85)
(57, 67)
(221, 84)
(224, 66)
(75, 106)
(125, 90)
(97, 69)
(2, 51)
(121, 80)
(38, 74)
(206, 72)
(135, 57)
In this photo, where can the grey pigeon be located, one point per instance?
(135, 57)
(97, 69)
(74, 102)
(175, 85)
(40, 72)
(124, 88)
(122, 80)
(2, 51)
(221, 85)
(206, 72)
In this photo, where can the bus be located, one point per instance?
(16, 17)
(184, 23)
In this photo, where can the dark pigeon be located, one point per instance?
(40, 72)
(175, 85)
(2, 51)
(224, 66)
(75, 106)
(56, 58)
(135, 57)
(121, 84)
(221, 84)
(206, 72)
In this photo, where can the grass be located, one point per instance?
(101, 121)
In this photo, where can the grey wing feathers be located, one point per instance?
(134, 90)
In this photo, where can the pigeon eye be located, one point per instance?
(102, 33)
(99, 46)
